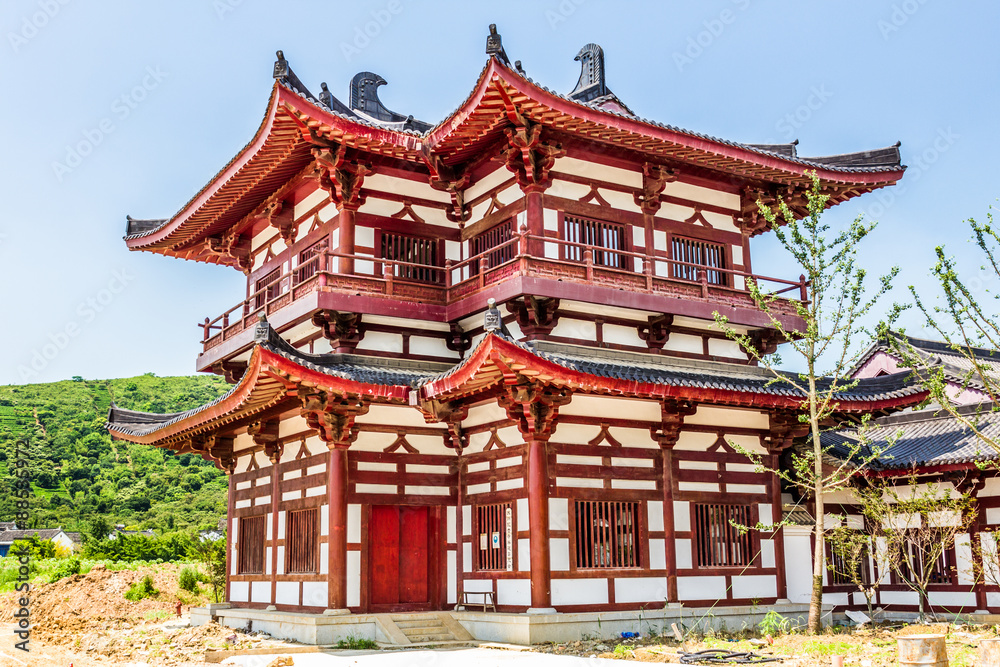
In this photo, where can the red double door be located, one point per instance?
(402, 548)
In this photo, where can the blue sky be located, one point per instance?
(118, 108)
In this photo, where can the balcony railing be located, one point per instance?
(636, 272)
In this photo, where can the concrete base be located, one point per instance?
(206, 614)
(507, 628)
(559, 627)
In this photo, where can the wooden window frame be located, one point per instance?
(752, 537)
(308, 552)
(300, 275)
(578, 537)
(439, 249)
(477, 553)
(575, 253)
(727, 258)
(245, 559)
(494, 257)
(949, 568)
(867, 567)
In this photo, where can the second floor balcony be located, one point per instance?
(696, 284)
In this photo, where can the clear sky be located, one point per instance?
(112, 108)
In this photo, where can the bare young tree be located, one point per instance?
(852, 550)
(827, 346)
(916, 526)
(968, 324)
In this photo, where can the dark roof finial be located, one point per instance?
(364, 101)
(591, 84)
(520, 70)
(494, 45)
(325, 96)
(281, 68)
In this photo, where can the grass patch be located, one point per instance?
(157, 615)
(829, 647)
(357, 644)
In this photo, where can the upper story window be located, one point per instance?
(718, 542)
(692, 257)
(412, 250)
(267, 288)
(607, 534)
(250, 544)
(490, 242)
(308, 265)
(603, 237)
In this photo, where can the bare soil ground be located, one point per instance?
(865, 647)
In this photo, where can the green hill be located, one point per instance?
(79, 473)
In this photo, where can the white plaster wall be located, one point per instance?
(559, 554)
(514, 591)
(452, 577)
(966, 599)
(579, 591)
(683, 554)
(701, 588)
(641, 589)
(287, 592)
(239, 591)
(353, 578)
(260, 591)
(798, 563)
(755, 586)
(314, 594)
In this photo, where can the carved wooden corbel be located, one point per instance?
(233, 247)
(340, 176)
(534, 406)
(343, 330)
(535, 316)
(654, 179)
(672, 415)
(451, 414)
(332, 416)
(231, 370)
(446, 179)
(529, 157)
(265, 433)
(656, 331)
(281, 216)
(458, 340)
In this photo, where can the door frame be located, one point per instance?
(437, 578)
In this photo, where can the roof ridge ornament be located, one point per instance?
(364, 100)
(591, 83)
(494, 46)
(284, 75)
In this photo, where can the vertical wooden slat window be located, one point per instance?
(839, 570)
(607, 534)
(302, 541)
(250, 545)
(267, 288)
(488, 242)
(491, 523)
(705, 255)
(308, 266)
(603, 238)
(718, 542)
(412, 250)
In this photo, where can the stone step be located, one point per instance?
(421, 639)
(425, 630)
(419, 623)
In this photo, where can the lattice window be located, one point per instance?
(718, 542)
(839, 568)
(489, 241)
(607, 534)
(602, 237)
(251, 545)
(308, 266)
(941, 569)
(413, 250)
(302, 541)
(267, 288)
(706, 256)
(491, 529)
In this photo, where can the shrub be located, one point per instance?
(188, 580)
(66, 568)
(141, 590)
(357, 643)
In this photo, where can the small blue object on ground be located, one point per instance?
(630, 635)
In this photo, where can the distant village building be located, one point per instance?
(476, 361)
(9, 533)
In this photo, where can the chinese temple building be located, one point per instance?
(476, 362)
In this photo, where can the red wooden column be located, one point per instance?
(230, 507)
(535, 218)
(332, 417)
(337, 535)
(654, 180)
(672, 413)
(785, 427)
(778, 536)
(342, 175)
(534, 407)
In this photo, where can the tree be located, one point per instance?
(212, 554)
(833, 313)
(916, 526)
(851, 549)
(969, 327)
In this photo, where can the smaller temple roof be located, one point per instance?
(927, 438)
(956, 366)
